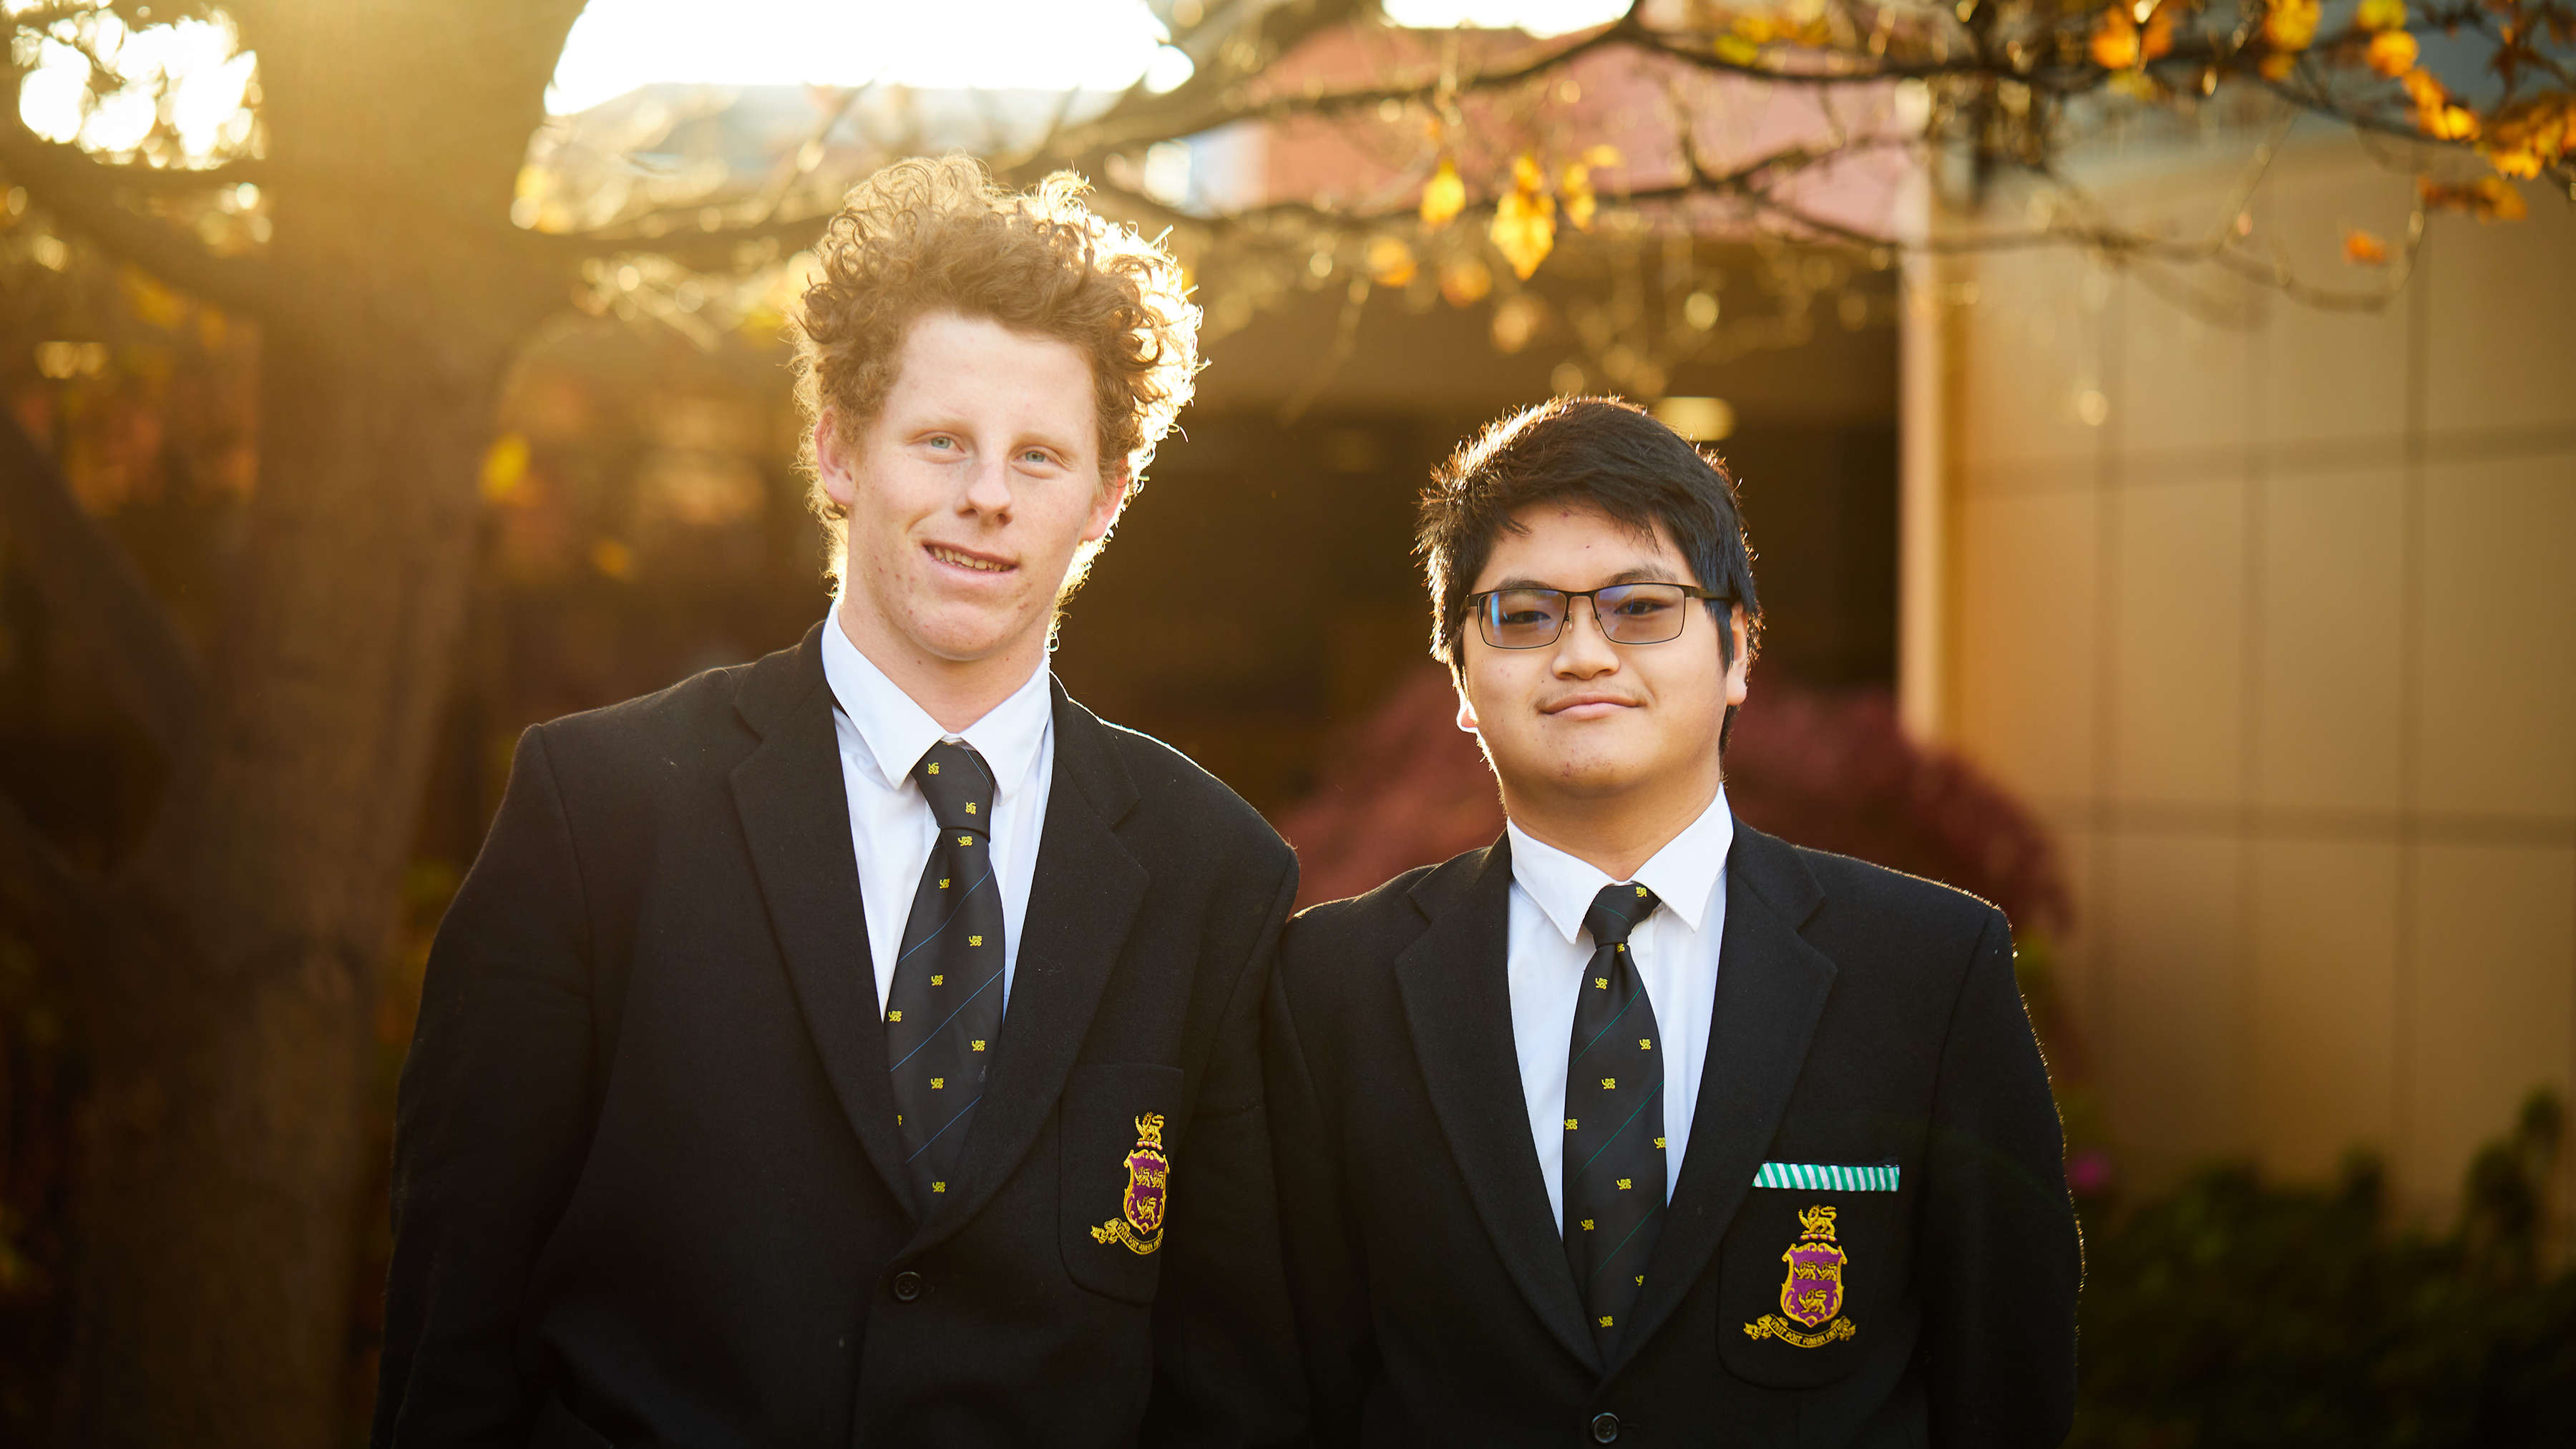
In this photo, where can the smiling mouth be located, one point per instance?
(1589, 705)
(959, 558)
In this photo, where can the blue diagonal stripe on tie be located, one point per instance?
(1655, 1094)
(952, 1016)
(952, 915)
(1623, 1242)
(953, 1121)
(1605, 1031)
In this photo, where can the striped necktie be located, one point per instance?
(944, 1009)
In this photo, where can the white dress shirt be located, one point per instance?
(1676, 952)
(883, 735)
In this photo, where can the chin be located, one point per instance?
(968, 634)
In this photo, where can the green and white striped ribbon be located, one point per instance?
(1823, 1177)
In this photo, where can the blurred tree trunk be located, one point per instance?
(231, 1018)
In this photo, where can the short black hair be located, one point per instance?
(1603, 451)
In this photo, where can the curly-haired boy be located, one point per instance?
(860, 1045)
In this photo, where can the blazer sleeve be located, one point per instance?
(489, 1128)
(2000, 1253)
(1225, 1364)
(1327, 1279)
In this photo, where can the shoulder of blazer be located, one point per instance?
(1359, 937)
(1863, 914)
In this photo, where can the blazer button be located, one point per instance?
(907, 1287)
(1605, 1428)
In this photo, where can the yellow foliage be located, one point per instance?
(1579, 200)
(1524, 229)
(2450, 123)
(1443, 196)
(505, 470)
(1465, 280)
(2290, 24)
(2523, 138)
(1736, 50)
(2115, 39)
(2158, 36)
(2380, 15)
(2392, 53)
(1390, 261)
(2277, 65)
(2362, 249)
(2489, 198)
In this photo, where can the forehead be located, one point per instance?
(1570, 544)
(977, 366)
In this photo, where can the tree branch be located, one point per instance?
(93, 587)
(81, 193)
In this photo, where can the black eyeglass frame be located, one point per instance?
(1476, 609)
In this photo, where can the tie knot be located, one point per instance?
(959, 787)
(1616, 911)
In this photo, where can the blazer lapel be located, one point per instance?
(1082, 902)
(1771, 987)
(795, 813)
(1457, 1001)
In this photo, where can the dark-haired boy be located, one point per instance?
(1640, 1125)
(860, 1046)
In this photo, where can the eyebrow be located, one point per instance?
(1643, 574)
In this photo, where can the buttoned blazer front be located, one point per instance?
(1862, 1019)
(648, 1186)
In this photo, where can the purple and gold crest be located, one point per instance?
(1148, 1185)
(1812, 1294)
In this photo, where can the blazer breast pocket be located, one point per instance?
(1813, 1268)
(1118, 1175)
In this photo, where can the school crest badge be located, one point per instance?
(1140, 1224)
(1812, 1294)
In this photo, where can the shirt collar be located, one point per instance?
(1683, 875)
(897, 732)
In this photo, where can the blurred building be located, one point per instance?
(2265, 608)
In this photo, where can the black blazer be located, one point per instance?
(1863, 1018)
(647, 1183)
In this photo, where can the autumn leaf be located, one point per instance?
(2380, 14)
(1465, 280)
(1579, 200)
(1390, 261)
(2115, 39)
(2529, 135)
(1443, 196)
(2362, 249)
(2392, 53)
(2451, 123)
(2157, 39)
(2489, 198)
(2289, 25)
(1524, 229)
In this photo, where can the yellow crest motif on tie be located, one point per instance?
(934, 767)
(1139, 1227)
(1812, 1294)
(937, 980)
(970, 807)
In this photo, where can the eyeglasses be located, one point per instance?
(1627, 613)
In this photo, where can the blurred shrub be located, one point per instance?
(2235, 1313)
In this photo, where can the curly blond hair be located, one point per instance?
(924, 236)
